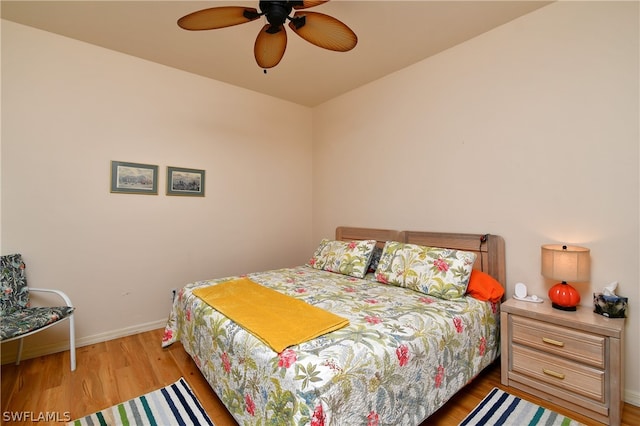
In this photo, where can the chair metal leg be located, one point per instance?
(20, 342)
(72, 344)
(72, 341)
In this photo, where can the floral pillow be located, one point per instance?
(438, 272)
(347, 258)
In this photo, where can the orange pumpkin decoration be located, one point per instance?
(564, 297)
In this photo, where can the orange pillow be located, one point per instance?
(483, 286)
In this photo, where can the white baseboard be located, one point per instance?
(33, 351)
(632, 397)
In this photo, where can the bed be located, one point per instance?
(403, 354)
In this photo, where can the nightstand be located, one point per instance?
(573, 359)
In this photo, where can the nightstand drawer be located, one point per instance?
(564, 374)
(573, 344)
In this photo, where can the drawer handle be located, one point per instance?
(552, 342)
(553, 374)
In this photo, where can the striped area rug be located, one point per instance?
(175, 404)
(501, 408)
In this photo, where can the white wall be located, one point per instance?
(529, 131)
(69, 108)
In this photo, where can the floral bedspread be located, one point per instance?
(403, 355)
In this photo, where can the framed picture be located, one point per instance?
(181, 181)
(134, 178)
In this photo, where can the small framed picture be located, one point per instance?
(181, 181)
(134, 178)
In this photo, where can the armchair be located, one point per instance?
(19, 319)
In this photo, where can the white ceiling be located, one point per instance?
(391, 36)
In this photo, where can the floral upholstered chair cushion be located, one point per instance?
(18, 317)
(13, 284)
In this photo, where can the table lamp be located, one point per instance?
(565, 263)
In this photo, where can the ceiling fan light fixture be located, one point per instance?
(277, 12)
(317, 28)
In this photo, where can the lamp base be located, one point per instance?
(564, 297)
(564, 308)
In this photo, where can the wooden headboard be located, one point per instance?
(345, 233)
(489, 248)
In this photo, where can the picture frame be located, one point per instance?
(134, 178)
(185, 182)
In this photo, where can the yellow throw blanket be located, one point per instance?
(278, 320)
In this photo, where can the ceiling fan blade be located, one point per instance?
(324, 31)
(270, 46)
(309, 3)
(218, 17)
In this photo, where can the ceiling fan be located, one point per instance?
(317, 28)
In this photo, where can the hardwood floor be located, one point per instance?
(121, 369)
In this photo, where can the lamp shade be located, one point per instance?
(565, 263)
